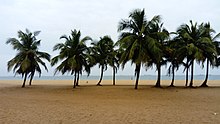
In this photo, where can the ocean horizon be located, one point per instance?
(109, 77)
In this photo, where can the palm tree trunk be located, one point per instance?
(158, 76)
(25, 77)
(137, 71)
(74, 83)
(204, 84)
(77, 80)
(113, 75)
(191, 81)
(173, 72)
(187, 71)
(32, 75)
(31, 80)
(102, 69)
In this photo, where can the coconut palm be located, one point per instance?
(182, 53)
(28, 59)
(157, 50)
(113, 61)
(190, 35)
(103, 54)
(73, 54)
(209, 49)
(171, 56)
(196, 45)
(134, 41)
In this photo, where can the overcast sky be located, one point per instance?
(94, 18)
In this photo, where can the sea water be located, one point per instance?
(109, 77)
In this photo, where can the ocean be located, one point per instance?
(109, 77)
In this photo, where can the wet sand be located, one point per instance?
(56, 102)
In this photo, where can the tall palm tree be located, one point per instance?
(210, 49)
(190, 34)
(195, 44)
(182, 53)
(113, 61)
(157, 50)
(28, 58)
(133, 40)
(103, 53)
(73, 54)
(171, 56)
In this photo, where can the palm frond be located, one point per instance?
(58, 46)
(36, 33)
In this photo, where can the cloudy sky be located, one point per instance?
(94, 18)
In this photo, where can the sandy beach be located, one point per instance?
(56, 102)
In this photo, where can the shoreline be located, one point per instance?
(164, 83)
(109, 77)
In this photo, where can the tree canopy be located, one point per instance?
(144, 43)
(28, 57)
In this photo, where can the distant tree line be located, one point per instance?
(142, 42)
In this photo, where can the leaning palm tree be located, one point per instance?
(28, 58)
(133, 40)
(103, 53)
(73, 54)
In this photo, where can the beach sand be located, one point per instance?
(56, 102)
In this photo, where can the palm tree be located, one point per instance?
(209, 49)
(103, 51)
(190, 34)
(159, 36)
(113, 61)
(195, 44)
(73, 54)
(182, 53)
(28, 57)
(171, 56)
(133, 40)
